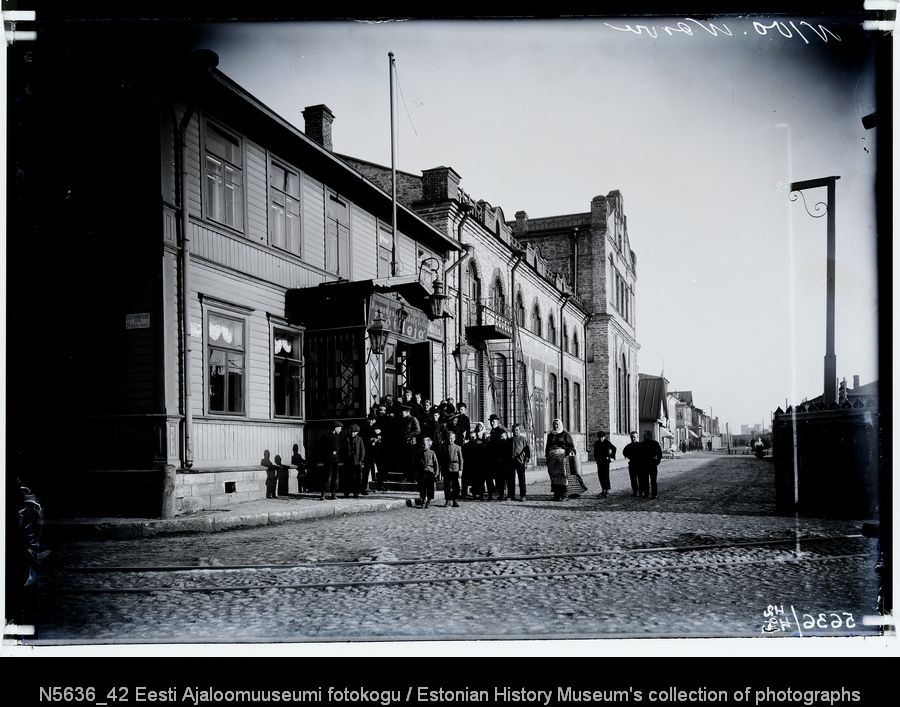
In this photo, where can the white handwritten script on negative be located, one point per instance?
(761, 28)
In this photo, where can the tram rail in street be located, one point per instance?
(623, 561)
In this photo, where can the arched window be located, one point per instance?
(623, 381)
(498, 382)
(551, 330)
(498, 297)
(552, 401)
(536, 325)
(565, 341)
(520, 310)
(473, 294)
(521, 395)
(576, 406)
(575, 349)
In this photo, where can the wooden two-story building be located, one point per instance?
(206, 272)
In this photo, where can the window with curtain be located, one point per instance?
(225, 341)
(287, 387)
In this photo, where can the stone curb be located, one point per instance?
(125, 529)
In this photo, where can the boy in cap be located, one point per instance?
(452, 471)
(428, 472)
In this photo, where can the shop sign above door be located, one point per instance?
(408, 323)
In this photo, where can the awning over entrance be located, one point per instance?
(335, 305)
(664, 432)
(693, 434)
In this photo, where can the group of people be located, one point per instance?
(643, 464)
(429, 443)
(477, 464)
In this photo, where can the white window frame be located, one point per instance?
(211, 206)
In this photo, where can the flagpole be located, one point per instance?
(393, 172)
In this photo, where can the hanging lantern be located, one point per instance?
(377, 334)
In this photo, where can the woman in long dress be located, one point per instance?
(559, 446)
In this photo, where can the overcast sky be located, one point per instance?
(695, 126)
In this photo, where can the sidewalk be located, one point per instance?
(284, 509)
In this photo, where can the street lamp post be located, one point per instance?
(829, 395)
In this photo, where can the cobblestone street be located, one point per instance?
(707, 558)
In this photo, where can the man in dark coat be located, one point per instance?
(520, 453)
(354, 456)
(388, 450)
(461, 424)
(408, 431)
(437, 430)
(473, 470)
(374, 466)
(331, 456)
(604, 453)
(414, 407)
(495, 475)
(650, 457)
(631, 453)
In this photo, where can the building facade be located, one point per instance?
(223, 272)
(523, 323)
(592, 250)
(654, 409)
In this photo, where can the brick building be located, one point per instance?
(524, 323)
(592, 251)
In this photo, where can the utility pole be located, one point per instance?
(829, 394)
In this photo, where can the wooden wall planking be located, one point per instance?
(363, 246)
(257, 194)
(237, 444)
(313, 222)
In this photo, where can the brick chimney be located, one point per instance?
(855, 382)
(439, 184)
(318, 124)
(521, 223)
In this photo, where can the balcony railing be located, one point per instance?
(489, 315)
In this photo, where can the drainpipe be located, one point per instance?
(207, 60)
(466, 209)
(519, 256)
(562, 352)
(575, 259)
